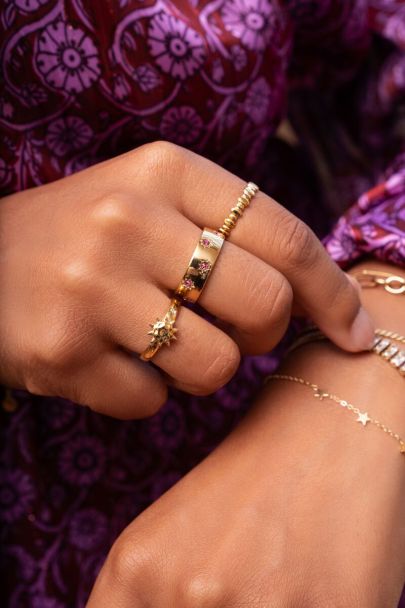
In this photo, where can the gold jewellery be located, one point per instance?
(390, 352)
(382, 345)
(163, 331)
(236, 212)
(392, 283)
(200, 266)
(321, 394)
(202, 262)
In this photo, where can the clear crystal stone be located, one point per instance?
(399, 359)
(382, 345)
(390, 352)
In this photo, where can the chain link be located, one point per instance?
(321, 394)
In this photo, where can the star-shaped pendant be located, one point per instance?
(363, 417)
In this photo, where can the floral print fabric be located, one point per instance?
(302, 96)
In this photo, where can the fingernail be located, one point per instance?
(362, 331)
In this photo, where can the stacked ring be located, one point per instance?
(200, 266)
(198, 271)
(163, 331)
(236, 212)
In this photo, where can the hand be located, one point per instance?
(88, 262)
(298, 508)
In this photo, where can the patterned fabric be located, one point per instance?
(82, 81)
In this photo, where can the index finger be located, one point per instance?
(206, 193)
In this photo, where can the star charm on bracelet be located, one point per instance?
(363, 417)
(321, 394)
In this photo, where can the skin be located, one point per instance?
(88, 262)
(300, 507)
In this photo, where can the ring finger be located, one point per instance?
(242, 290)
(203, 358)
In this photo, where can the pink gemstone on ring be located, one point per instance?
(188, 283)
(204, 265)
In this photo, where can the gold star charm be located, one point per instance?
(363, 417)
(162, 332)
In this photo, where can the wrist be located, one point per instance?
(364, 379)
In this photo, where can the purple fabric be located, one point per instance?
(83, 81)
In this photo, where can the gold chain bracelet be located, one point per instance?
(321, 394)
(392, 283)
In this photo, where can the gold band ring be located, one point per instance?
(209, 247)
(236, 212)
(199, 269)
(200, 266)
(163, 331)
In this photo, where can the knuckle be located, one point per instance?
(202, 591)
(111, 215)
(123, 223)
(77, 276)
(83, 278)
(271, 301)
(129, 561)
(160, 157)
(297, 243)
(221, 368)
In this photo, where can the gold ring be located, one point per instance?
(236, 212)
(163, 331)
(199, 269)
(200, 266)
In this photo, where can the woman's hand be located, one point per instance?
(88, 262)
(300, 507)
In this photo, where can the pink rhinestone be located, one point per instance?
(206, 242)
(204, 265)
(188, 283)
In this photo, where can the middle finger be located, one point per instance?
(242, 290)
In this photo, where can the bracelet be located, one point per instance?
(392, 283)
(313, 333)
(390, 334)
(382, 345)
(321, 394)
(389, 351)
